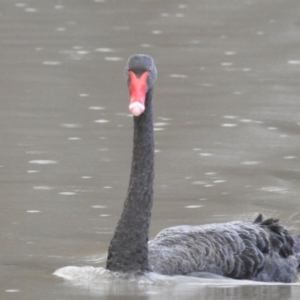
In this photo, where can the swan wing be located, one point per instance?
(262, 250)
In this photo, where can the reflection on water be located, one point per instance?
(100, 281)
(226, 131)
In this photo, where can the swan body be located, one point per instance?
(262, 250)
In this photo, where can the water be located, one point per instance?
(226, 129)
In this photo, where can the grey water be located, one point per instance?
(227, 133)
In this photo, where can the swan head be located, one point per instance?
(140, 74)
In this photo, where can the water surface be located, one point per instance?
(227, 129)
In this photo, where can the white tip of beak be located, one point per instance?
(136, 108)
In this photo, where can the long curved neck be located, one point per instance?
(128, 250)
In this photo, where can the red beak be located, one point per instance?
(138, 89)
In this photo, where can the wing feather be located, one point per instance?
(241, 250)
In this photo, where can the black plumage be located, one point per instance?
(262, 250)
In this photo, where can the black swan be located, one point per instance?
(262, 250)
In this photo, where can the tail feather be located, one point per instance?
(279, 237)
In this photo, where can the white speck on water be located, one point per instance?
(219, 181)
(33, 211)
(203, 199)
(75, 55)
(39, 49)
(67, 193)
(197, 149)
(104, 50)
(179, 15)
(246, 120)
(230, 117)
(31, 9)
(290, 157)
(43, 162)
(105, 159)
(75, 138)
(158, 129)
(105, 215)
(20, 4)
(246, 69)
(164, 119)
(226, 64)
(229, 125)
(178, 76)
(207, 84)
(211, 173)
(199, 182)
(209, 185)
(107, 187)
(60, 29)
(160, 124)
(71, 125)
(102, 121)
(146, 45)
(33, 171)
(99, 1)
(181, 6)
(51, 63)
(78, 47)
(113, 58)
(275, 189)
(157, 151)
(260, 33)
(98, 206)
(156, 31)
(86, 177)
(272, 128)
(82, 52)
(96, 108)
(230, 53)
(250, 162)
(43, 187)
(165, 14)
(12, 291)
(193, 206)
(34, 152)
(294, 62)
(58, 6)
(206, 154)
